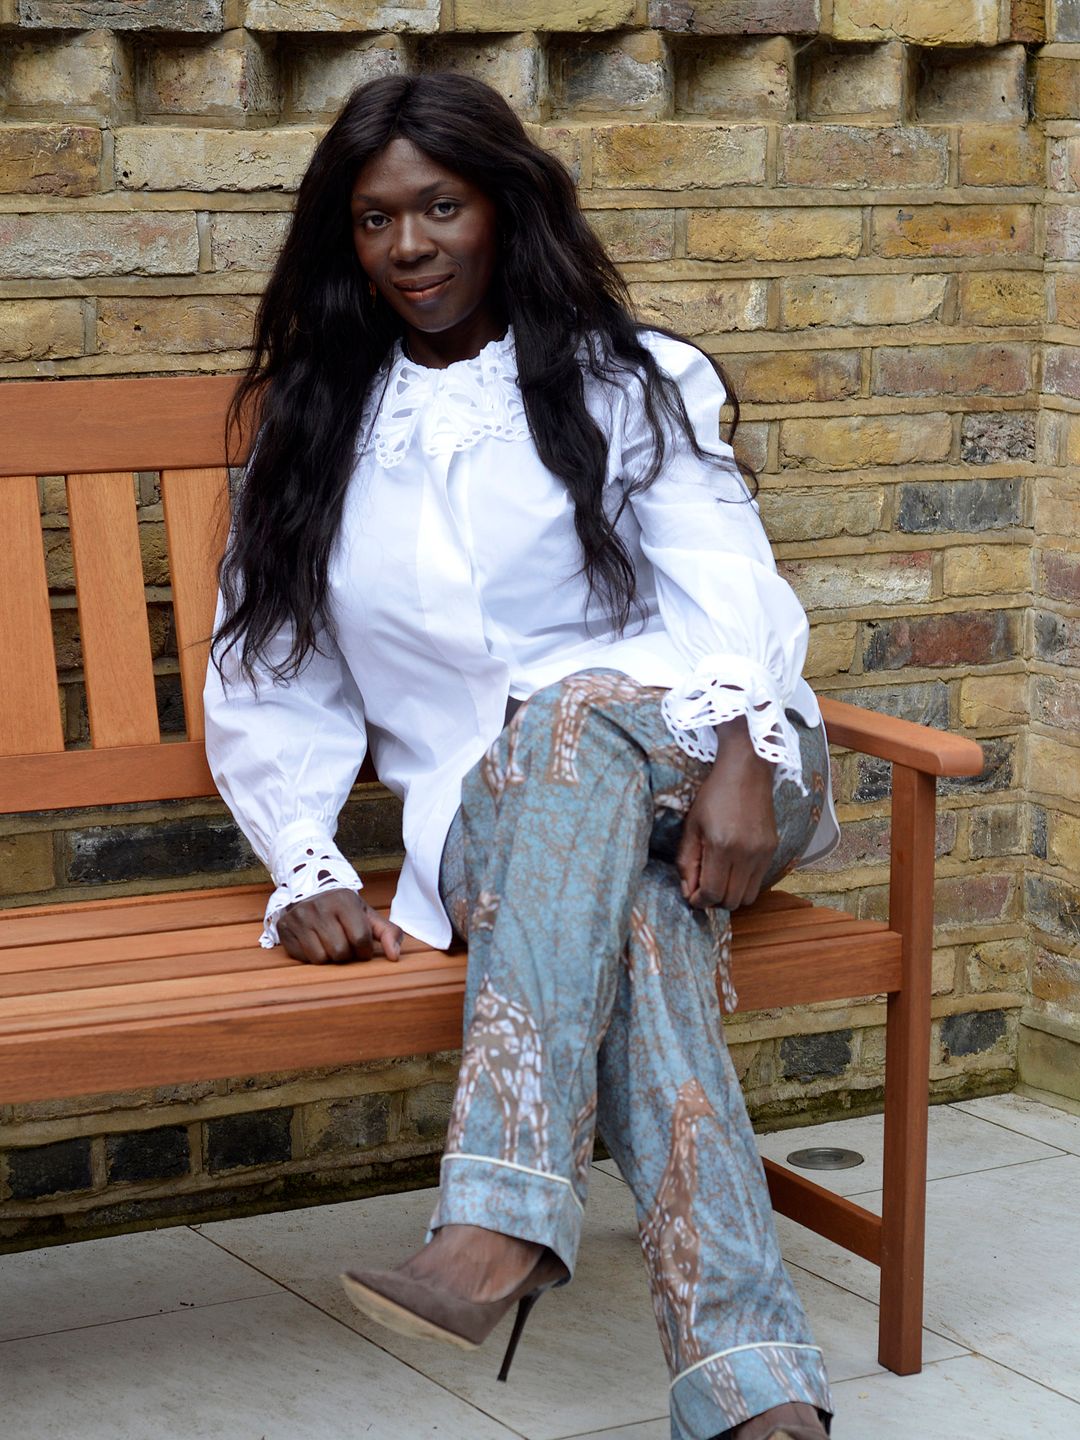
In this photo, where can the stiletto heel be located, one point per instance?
(525, 1305)
(420, 1308)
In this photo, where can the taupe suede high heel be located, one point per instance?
(793, 1421)
(419, 1309)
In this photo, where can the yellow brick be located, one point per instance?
(989, 701)
(560, 15)
(987, 570)
(1072, 439)
(801, 515)
(669, 156)
(191, 324)
(1057, 504)
(954, 230)
(565, 142)
(702, 307)
(1001, 155)
(796, 234)
(788, 376)
(861, 299)
(851, 441)
(1053, 768)
(49, 159)
(1007, 297)
(40, 329)
(856, 156)
(925, 22)
(26, 864)
(635, 234)
(1057, 86)
(745, 80)
(831, 649)
(1063, 841)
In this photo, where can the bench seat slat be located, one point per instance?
(856, 965)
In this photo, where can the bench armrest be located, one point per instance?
(921, 747)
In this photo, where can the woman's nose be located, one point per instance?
(411, 242)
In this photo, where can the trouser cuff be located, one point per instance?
(725, 1389)
(528, 1204)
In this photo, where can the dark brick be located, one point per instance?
(807, 1057)
(926, 703)
(371, 826)
(120, 14)
(960, 505)
(263, 1137)
(963, 900)
(155, 852)
(148, 1155)
(873, 777)
(972, 1033)
(50, 1169)
(998, 770)
(427, 1110)
(990, 437)
(1053, 906)
(170, 704)
(355, 1124)
(866, 842)
(1038, 832)
(737, 17)
(1057, 638)
(974, 637)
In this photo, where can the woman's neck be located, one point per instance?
(463, 341)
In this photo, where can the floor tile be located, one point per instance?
(647, 1430)
(1028, 1117)
(590, 1358)
(1002, 1266)
(957, 1143)
(96, 1281)
(966, 1399)
(846, 1328)
(273, 1368)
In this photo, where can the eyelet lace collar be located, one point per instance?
(444, 410)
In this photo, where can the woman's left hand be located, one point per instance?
(729, 836)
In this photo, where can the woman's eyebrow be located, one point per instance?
(373, 202)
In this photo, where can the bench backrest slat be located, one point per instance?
(196, 525)
(29, 701)
(112, 610)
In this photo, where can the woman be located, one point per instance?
(489, 530)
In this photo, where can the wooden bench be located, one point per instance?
(157, 989)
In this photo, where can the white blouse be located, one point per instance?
(455, 583)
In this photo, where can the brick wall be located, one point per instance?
(867, 209)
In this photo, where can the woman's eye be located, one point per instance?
(374, 222)
(445, 207)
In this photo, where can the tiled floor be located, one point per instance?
(239, 1330)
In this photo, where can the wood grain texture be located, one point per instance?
(907, 1074)
(122, 775)
(934, 752)
(29, 698)
(833, 1216)
(51, 427)
(196, 506)
(112, 610)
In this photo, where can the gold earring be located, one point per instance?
(372, 291)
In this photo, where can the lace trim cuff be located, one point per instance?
(305, 862)
(722, 688)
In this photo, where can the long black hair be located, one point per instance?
(320, 338)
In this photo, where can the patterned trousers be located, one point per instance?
(592, 1002)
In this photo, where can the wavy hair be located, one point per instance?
(320, 339)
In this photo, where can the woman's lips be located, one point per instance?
(424, 289)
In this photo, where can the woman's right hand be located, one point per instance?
(337, 926)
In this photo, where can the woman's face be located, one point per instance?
(427, 239)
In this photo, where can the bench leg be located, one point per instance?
(907, 1070)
